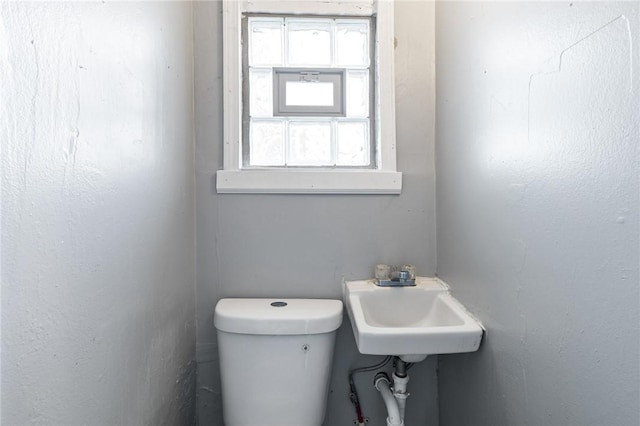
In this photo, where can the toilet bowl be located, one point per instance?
(275, 359)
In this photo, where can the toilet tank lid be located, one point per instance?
(278, 316)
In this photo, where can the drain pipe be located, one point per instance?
(400, 380)
(382, 383)
(400, 393)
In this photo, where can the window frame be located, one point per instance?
(383, 179)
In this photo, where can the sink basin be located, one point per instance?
(410, 322)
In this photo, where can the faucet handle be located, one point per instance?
(410, 269)
(382, 271)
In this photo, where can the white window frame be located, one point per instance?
(384, 179)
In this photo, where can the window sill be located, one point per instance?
(305, 181)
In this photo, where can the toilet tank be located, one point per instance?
(275, 359)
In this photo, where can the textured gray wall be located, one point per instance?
(303, 245)
(98, 301)
(538, 209)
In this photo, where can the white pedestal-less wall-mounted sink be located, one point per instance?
(410, 322)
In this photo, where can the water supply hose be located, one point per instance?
(353, 396)
(356, 402)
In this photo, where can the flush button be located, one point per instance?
(278, 304)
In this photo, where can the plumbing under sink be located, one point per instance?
(410, 322)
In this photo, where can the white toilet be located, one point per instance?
(275, 359)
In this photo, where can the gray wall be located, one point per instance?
(538, 209)
(98, 282)
(303, 245)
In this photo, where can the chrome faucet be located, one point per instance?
(405, 276)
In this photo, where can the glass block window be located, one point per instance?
(307, 92)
